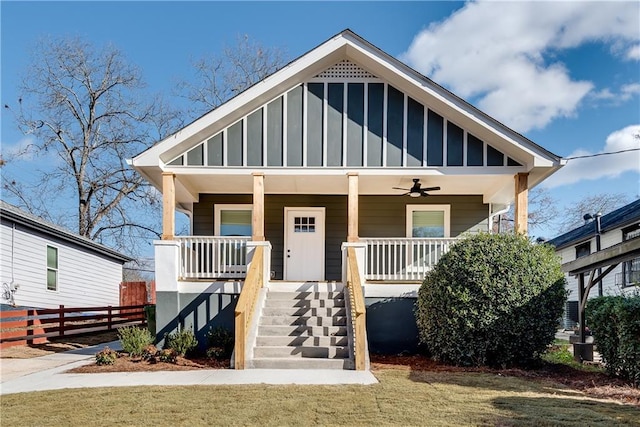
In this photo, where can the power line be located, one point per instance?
(602, 154)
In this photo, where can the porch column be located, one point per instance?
(258, 207)
(168, 205)
(352, 215)
(522, 202)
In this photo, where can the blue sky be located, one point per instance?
(566, 75)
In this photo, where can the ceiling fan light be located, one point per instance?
(414, 194)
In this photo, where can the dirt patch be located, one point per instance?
(126, 364)
(57, 345)
(594, 384)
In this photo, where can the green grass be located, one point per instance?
(560, 354)
(407, 398)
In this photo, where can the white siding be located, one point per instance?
(84, 278)
(609, 287)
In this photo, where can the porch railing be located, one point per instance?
(358, 311)
(403, 258)
(213, 257)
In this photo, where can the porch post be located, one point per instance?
(352, 215)
(168, 205)
(522, 201)
(258, 207)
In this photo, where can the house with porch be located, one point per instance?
(319, 198)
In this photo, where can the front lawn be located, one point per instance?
(403, 397)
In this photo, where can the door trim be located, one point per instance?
(287, 210)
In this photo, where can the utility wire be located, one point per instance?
(602, 154)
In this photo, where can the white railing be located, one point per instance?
(399, 259)
(213, 257)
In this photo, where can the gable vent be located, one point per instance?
(345, 69)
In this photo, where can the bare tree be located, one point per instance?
(543, 211)
(218, 78)
(86, 108)
(603, 203)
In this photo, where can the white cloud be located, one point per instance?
(634, 53)
(23, 150)
(498, 53)
(625, 93)
(609, 166)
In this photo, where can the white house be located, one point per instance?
(615, 227)
(43, 265)
(344, 150)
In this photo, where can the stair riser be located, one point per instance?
(304, 352)
(303, 320)
(301, 331)
(301, 363)
(307, 296)
(306, 311)
(279, 341)
(301, 303)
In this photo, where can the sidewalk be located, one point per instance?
(48, 373)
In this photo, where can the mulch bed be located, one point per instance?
(126, 364)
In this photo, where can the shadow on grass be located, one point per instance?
(559, 410)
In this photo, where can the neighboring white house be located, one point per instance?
(615, 227)
(44, 265)
(338, 149)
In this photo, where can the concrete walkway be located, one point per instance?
(48, 373)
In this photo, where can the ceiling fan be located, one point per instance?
(416, 191)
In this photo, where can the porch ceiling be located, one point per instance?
(496, 187)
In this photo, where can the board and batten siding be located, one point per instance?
(84, 279)
(379, 216)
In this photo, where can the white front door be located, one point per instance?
(304, 244)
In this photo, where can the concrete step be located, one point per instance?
(322, 341)
(304, 311)
(302, 303)
(330, 352)
(282, 286)
(303, 320)
(301, 363)
(301, 331)
(272, 295)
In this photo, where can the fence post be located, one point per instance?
(109, 317)
(61, 314)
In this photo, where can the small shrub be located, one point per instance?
(106, 357)
(182, 341)
(493, 299)
(168, 355)
(134, 340)
(150, 354)
(615, 323)
(220, 341)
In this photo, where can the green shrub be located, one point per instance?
(168, 355)
(134, 340)
(150, 317)
(615, 323)
(106, 357)
(493, 299)
(220, 342)
(182, 341)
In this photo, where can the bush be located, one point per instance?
(182, 341)
(493, 299)
(615, 323)
(220, 342)
(134, 340)
(106, 357)
(168, 355)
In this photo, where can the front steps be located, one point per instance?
(302, 326)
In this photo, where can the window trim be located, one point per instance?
(55, 269)
(428, 208)
(218, 208)
(580, 246)
(627, 266)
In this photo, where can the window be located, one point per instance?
(583, 250)
(631, 269)
(52, 268)
(428, 220)
(233, 220)
(304, 224)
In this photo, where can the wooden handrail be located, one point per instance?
(358, 312)
(246, 305)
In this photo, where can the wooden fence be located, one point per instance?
(20, 327)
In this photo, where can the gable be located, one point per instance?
(344, 117)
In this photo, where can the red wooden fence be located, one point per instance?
(19, 327)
